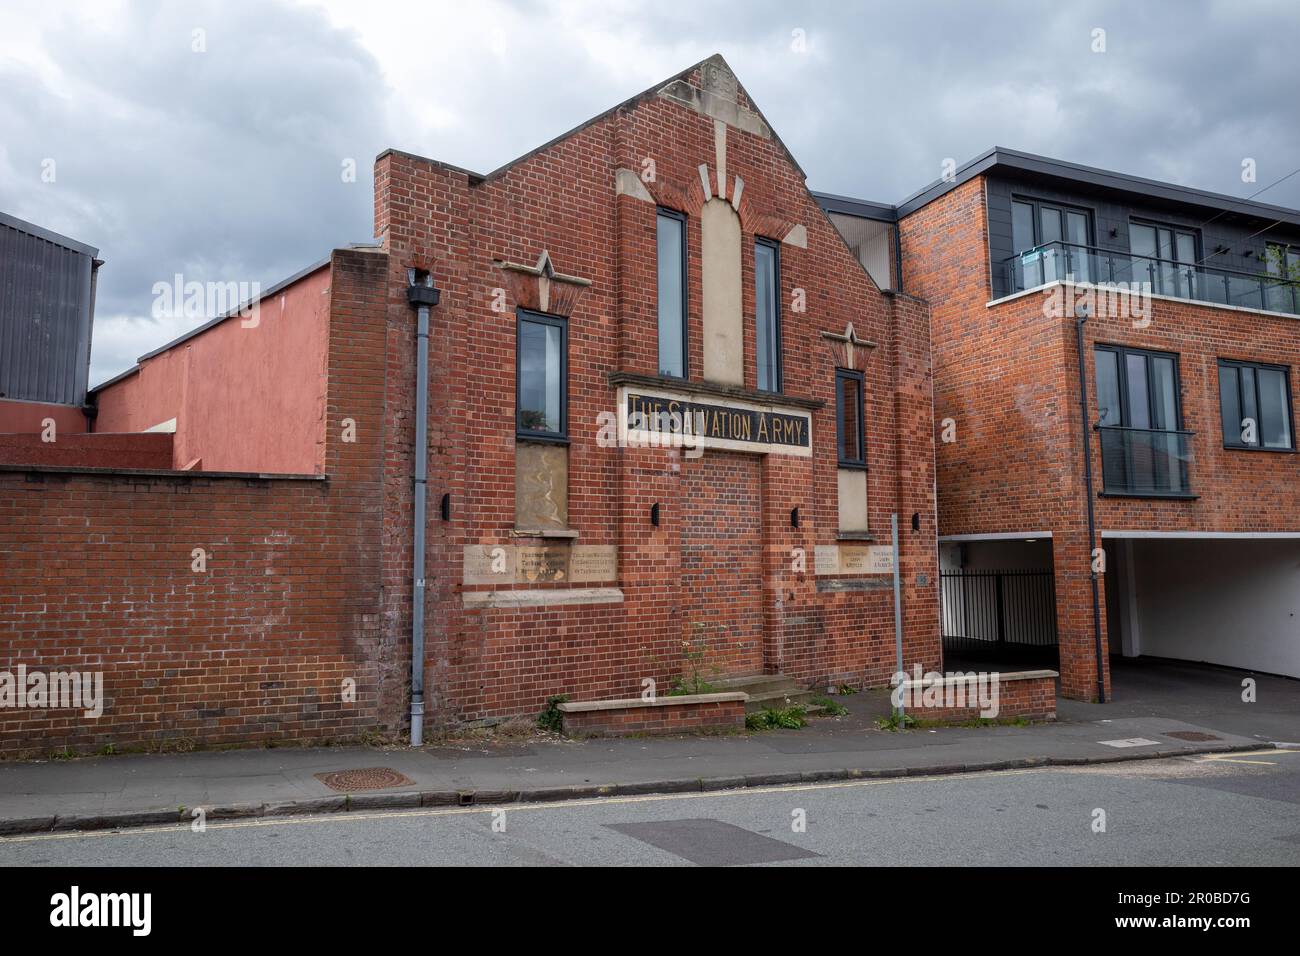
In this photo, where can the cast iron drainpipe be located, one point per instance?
(420, 293)
(1080, 317)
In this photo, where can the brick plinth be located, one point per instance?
(1026, 694)
(690, 713)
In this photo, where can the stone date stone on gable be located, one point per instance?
(718, 99)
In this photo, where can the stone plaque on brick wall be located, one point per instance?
(546, 562)
(855, 559)
(593, 562)
(489, 564)
(880, 559)
(827, 559)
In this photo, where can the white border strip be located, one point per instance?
(999, 536)
(1039, 289)
(1234, 535)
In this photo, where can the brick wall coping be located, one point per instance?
(1003, 677)
(628, 703)
(1037, 290)
(714, 389)
(157, 473)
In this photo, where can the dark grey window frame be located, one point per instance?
(1123, 350)
(1038, 204)
(775, 246)
(1157, 224)
(842, 374)
(682, 218)
(1290, 409)
(542, 318)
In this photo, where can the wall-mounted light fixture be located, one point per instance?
(916, 521)
(654, 514)
(794, 517)
(445, 506)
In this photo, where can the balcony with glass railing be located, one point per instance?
(1145, 462)
(1066, 261)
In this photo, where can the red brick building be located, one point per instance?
(669, 416)
(1187, 515)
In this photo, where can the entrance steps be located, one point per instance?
(775, 691)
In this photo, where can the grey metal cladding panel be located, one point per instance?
(1239, 233)
(44, 319)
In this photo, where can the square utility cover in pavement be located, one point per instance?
(712, 842)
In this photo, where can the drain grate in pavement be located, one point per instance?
(363, 778)
(1198, 735)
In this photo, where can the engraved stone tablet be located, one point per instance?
(593, 562)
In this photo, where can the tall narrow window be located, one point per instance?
(542, 370)
(1165, 256)
(1063, 232)
(1144, 450)
(672, 293)
(1255, 405)
(767, 313)
(849, 431)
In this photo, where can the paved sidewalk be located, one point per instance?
(138, 790)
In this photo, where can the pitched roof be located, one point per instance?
(655, 90)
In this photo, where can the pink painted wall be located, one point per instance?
(24, 418)
(244, 398)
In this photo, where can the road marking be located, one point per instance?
(512, 807)
(1238, 757)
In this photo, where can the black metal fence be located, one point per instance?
(1006, 615)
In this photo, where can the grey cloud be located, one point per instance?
(225, 165)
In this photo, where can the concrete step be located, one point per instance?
(758, 684)
(779, 699)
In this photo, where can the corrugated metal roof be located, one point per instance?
(46, 305)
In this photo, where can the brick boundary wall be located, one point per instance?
(98, 572)
(1027, 694)
(96, 566)
(665, 715)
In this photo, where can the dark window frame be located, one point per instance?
(1158, 224)
(1121, 366)
(1038, 204)
(842, 374)
(775, 246)
(542, 318)
(682, 218)
(1290, 405)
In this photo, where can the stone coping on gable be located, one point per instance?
(627, 703)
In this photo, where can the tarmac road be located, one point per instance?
(1240, 808)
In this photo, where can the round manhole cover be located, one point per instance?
(363, 778)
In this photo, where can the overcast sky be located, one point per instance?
(226, 163)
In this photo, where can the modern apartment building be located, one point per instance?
(1176, 489)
